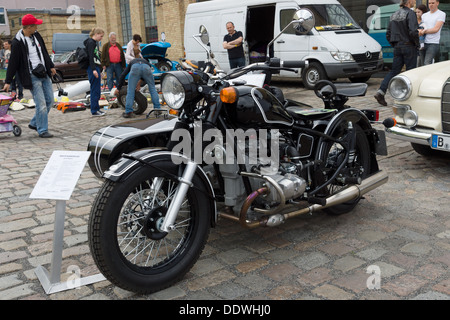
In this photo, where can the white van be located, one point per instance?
(336, 48)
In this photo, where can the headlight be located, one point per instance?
(342, 56)
(410, 118)
(380, 56)
(400, 88)
(178, 88)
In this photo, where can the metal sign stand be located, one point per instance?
(61, 191)
(51, 282)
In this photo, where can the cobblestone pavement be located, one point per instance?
(400, 231)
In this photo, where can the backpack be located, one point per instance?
(82, 57)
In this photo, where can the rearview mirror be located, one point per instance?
(204, 34)
(303, 21)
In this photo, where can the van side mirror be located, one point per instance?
(303, 21)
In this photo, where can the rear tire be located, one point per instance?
(333, 154)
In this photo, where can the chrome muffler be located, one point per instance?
(348, 194)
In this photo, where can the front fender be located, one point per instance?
(124, 167)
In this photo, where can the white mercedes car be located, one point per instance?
(422, 108)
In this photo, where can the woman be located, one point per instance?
(133, 49)
(94, 68)
(420, 10)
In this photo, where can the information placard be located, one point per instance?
(60, 175)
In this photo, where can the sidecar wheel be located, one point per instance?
(124, 238)
(333, 154)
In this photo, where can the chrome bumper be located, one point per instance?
(411, 135)
(408, 134)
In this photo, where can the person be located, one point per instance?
(133, 49)
(420, 10)
(93, 69)
(29, 58)
(2, 55)
(232, 41)
(138, 69)
(402, 33)
(113, 60)
(433, 20)
(15, 84)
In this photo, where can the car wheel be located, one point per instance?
(312, 74)
(163, 66)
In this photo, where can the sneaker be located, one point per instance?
(46, 134)
(98, 114)
(32, 127)
(380, 98)
(128, 115)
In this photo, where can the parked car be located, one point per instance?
(422, 108)
(66, 66)
(155, 53)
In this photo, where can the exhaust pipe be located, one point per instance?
(348, 194)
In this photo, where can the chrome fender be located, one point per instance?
(123, 168)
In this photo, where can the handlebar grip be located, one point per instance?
(293, 64)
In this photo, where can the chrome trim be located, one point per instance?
(406, 81)
(411, 135)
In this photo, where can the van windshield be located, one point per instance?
(62, 57)
(332, 17)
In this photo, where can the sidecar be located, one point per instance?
(109, 143)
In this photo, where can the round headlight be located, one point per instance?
(179, 88)
(400, 88)
(410, 118)
(173, 92)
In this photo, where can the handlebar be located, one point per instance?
(274, 64)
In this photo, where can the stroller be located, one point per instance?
(7, 121)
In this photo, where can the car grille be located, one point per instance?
(445, 107)
(362, 58)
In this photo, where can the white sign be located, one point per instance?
(60, 175)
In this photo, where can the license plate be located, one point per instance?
(440, 142)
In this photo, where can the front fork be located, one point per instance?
(174, 207)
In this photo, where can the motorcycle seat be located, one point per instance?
(306, 113)
(351, 89)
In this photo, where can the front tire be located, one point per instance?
(124, 238)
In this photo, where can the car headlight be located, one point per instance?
(178, 88)
(400, 88)
(410, 118)
(342, 56)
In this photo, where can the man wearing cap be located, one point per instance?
(29, 57)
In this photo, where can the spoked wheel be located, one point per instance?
(333, 154)
(125, 238)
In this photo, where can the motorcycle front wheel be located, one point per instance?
(124, 236)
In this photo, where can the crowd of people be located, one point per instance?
(415, 37)
(29, 66)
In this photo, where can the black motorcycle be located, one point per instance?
(235, 151)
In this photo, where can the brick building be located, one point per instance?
(147, 18)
